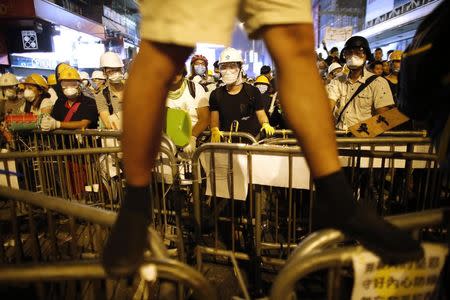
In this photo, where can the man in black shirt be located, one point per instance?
(237, 101)
(74, 110)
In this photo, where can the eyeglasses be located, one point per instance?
(354, 51)
(227, 66)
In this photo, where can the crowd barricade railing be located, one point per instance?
(320, 251)
(85, 228)
(281, 135)
(231, 137)
(82, 165)
(275, 185)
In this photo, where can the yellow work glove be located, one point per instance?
(216, 134)
(268, 129)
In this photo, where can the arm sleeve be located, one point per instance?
(382, 94)
(332, 90)
(213, 104)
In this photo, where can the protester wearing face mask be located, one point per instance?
(109, 98)
(37, 98)
(334, 70)
(375, 97)
(237, 101)
(199, 72)
(192, 98)
(262, 83)
(395, 59)
(9, 86)
(98, 81)
(73, 110)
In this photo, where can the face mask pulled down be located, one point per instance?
(354, 62)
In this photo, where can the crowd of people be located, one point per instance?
(222, 99)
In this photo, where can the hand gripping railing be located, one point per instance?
(306, 258)
(166, 268)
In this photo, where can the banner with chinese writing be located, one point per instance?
(414, 280)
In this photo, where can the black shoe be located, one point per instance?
(336, 208)
(125, 247)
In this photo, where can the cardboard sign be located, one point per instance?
(414, 280)
(378, 124)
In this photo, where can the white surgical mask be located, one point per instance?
(71, 92)
(216, 76)
(230, 77)
(396, 70)
(29, 95)
(262, 88)
(354, 62)
(116, 77)
(10, 94)
(200, 70)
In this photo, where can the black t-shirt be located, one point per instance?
(86, 111)
(241, 107)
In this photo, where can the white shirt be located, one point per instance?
(376, 95)
(187, 103)
(46, 103)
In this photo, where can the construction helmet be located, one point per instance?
(8, 79)
(84, 75)
(60, 67)
(98, 75)
(230, 55)
(355, 42)
(51, 79)
(110, 60)
(69, 74)
(199, 57)
(333, 67)
(262, 79)
(37, 80)
(396, 55)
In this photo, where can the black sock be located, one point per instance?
(125, 247)
(336, 208)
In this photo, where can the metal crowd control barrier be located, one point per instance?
(79, 215)
(233, 137)
(280, 207)
(312, 255)
(283, 134)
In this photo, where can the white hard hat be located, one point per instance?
(83, 75)
(98, 75)
(110, 60)
(8, 79)
(230, 55)
(333, 67)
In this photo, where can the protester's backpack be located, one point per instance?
(424, 79)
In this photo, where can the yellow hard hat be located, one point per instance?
(69, 74)
(37, 80)
(51, 79)
(262, 79)
(396, 55)
(210, 72)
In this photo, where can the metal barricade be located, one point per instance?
(278, 202)
(314, 253)
(86, 225)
